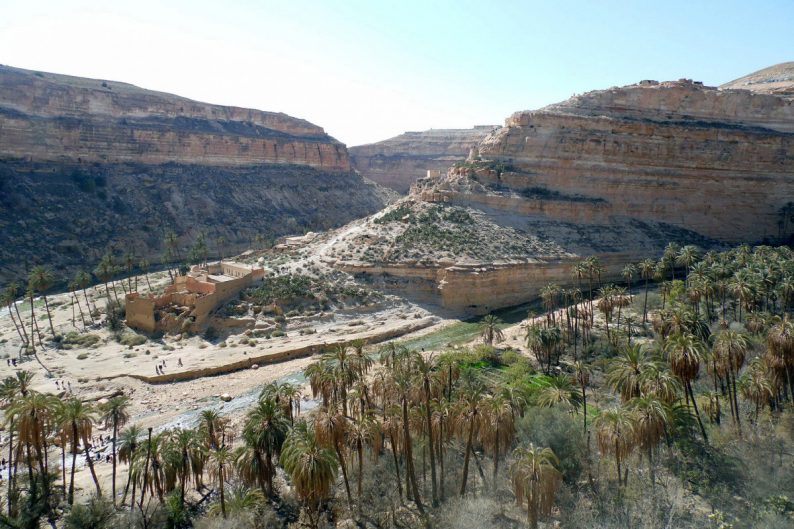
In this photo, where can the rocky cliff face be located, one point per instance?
(398, 162)
(88, 165)
(717, 162)
(614, 173)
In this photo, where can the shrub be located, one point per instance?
(82, 356)
(210, 334)
(559, 430)
(96, 514)
(277, 333)
(132, 339)
(73, 340)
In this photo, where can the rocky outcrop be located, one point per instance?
(717, 162)
(398, 162)
(777, 80)
(613, 173)
(88, 166)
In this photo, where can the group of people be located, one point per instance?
(63, 385)
(160, 368)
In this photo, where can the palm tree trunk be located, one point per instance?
(469, 440)
(13, 319)
(88, 306)
(344, 474)
(697, 412)
(145, 471)
(79, 306)
(49, 315)
(220, 485)
(91, 466)
(410, 459)
(63, 462)
(396, 465)
(735, 400)
(496, 456)
(74, 463)
(10, 458)
(360, 450)
(113, 458)
(430, 443)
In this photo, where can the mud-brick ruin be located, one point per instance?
(187, 304)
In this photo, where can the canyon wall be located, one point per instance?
(717, 162)
(88, 166)
(616, 174)
(398, 162)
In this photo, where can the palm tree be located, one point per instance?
(581, 374)
(83, 280)
(104, 271)
(780, 342)
(467, 423)
(535, 480)
(114, 415)
(241, 500)
(143, 264)
(729, 352)
(490, 331)
(330, 429)
(311, 467)
(35, 412)
(625, 371)
(755, 385)
(628, 273)
(183, 457)
(615, 435)
(650, 421)
(264, 433)
(686, 352)
(686, 257)
(497, 428)
(11, 389)
(362, 431)
(220, 462)
(425, 368)
(647, 269)
(41, 280)
(559, 391)
(76, 425)
(128, 444)
(9, 298)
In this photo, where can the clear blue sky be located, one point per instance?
(366, 70)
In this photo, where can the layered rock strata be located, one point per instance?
(614, 173)
(88, 166)
(398, 162)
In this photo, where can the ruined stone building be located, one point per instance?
(187, 305)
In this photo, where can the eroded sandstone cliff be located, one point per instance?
(398, 162)
(89, 165)
(613, 173)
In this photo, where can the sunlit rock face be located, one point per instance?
(615, 174)
(88, 165)
(398, 162)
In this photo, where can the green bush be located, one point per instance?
(131, 339)
(74, 340)
(560, 431)
(96, 514)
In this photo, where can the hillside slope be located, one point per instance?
(89, 165)
(616, 174)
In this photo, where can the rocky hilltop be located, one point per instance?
(398, 162)
(777, 80)
(89, 165)
(613, 173)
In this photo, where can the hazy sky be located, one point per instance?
(366, 70)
